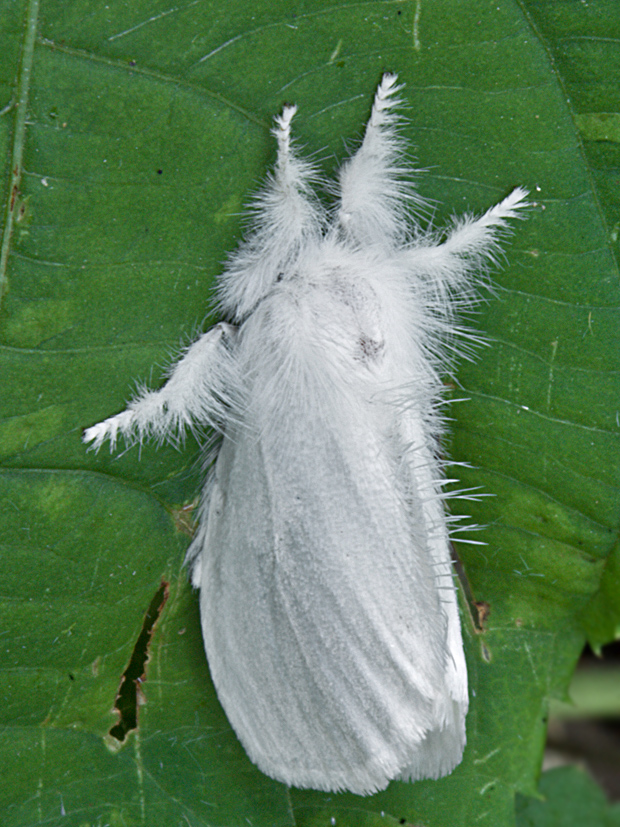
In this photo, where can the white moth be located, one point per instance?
(327, 600)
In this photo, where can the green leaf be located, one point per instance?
(132, 136)
(568, 797)
(581, 44)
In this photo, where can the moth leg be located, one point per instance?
(197, 393)
(470, 247)
(289, 210)
(374, 191)
(289, 217)
(479, 237)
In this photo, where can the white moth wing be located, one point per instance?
(336, 657)
(443, 747)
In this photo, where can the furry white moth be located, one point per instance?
(327, 600)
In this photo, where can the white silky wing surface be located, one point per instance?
(327, 600)
(335, 653)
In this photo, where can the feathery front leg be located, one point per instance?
(198, 393)
(478, 238)
(374, 185)
(447, 268)
(289, 218)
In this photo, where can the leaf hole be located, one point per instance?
(129, 691)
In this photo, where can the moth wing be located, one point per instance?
(443, 745)
(325, 632)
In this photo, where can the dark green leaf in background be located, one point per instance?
(131, 136)
(569, 799)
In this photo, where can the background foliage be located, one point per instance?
(131, 135)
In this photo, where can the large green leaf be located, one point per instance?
(132, 135)
(569, 798)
